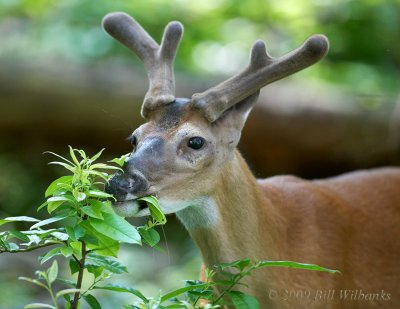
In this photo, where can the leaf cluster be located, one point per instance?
(220, 288)
(88, 232)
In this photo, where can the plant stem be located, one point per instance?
(204, 289)
(74, 304)
(28, 249)
(92, 285)
(76, 259)
(240, 277)
(52, 296)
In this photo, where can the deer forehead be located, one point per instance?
(171, 115)
(174, 122)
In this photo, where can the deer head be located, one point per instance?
(179, 153)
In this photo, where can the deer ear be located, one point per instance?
(231, 122)
(236, 116)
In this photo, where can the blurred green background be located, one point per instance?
(63, 81)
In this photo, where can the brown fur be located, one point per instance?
(350, 223)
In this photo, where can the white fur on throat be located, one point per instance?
(194, 214)
(201, 214)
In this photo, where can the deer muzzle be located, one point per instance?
(126, 189)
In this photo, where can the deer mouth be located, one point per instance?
(141, 204)
(131, 208)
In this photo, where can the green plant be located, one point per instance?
(89, 234)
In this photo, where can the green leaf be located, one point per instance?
(108, 263)
(291, 264)
(34, 281)
(56, 201)
(48, 221)
(150, 236)
(72, 154)
(41, 274)
(104, 166)
(155, 208)
(41, 206)
(96, 271)
(76, 246)
(79, 196)
(92, 301)
(59, 198)
(240, 264)
(82, 154)
(99, 204)
(18, 219)
(194, 295)
(53, 206)
(67, 282)
(96, 156)
(93, 240)
(67, 251)
(116, 228)
(55, 185)
(52, 272)
(38, 305)
(243, 301)
(122, 289)
(105, 246)
(10, 246)
(67, 299)
(184, 290)
(100, 174)
(3, 244)
(73, 266)
(75, 233)
(121, 160)
(42, 233)
(98, 194)
(65, 165)
(60, 236)
(58, 156)
(204, 294)
(19, 235)
(93, 211)
(66, 292)
(49, 255)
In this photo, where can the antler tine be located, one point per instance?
(158, 60)
(261, 71)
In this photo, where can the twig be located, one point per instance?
(74, 304)
(239, 277)
(76, 259)
(28, 249)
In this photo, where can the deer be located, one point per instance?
(186, 155)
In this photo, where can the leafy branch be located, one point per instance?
(90, 232)
(20, 250)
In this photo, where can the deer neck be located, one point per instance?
(227, 224)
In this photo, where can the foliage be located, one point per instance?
(89, 234)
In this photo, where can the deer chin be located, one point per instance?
(131, 208)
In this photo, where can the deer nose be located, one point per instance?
(121, 184)
(116, 186)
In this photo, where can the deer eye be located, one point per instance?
(196, 142)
